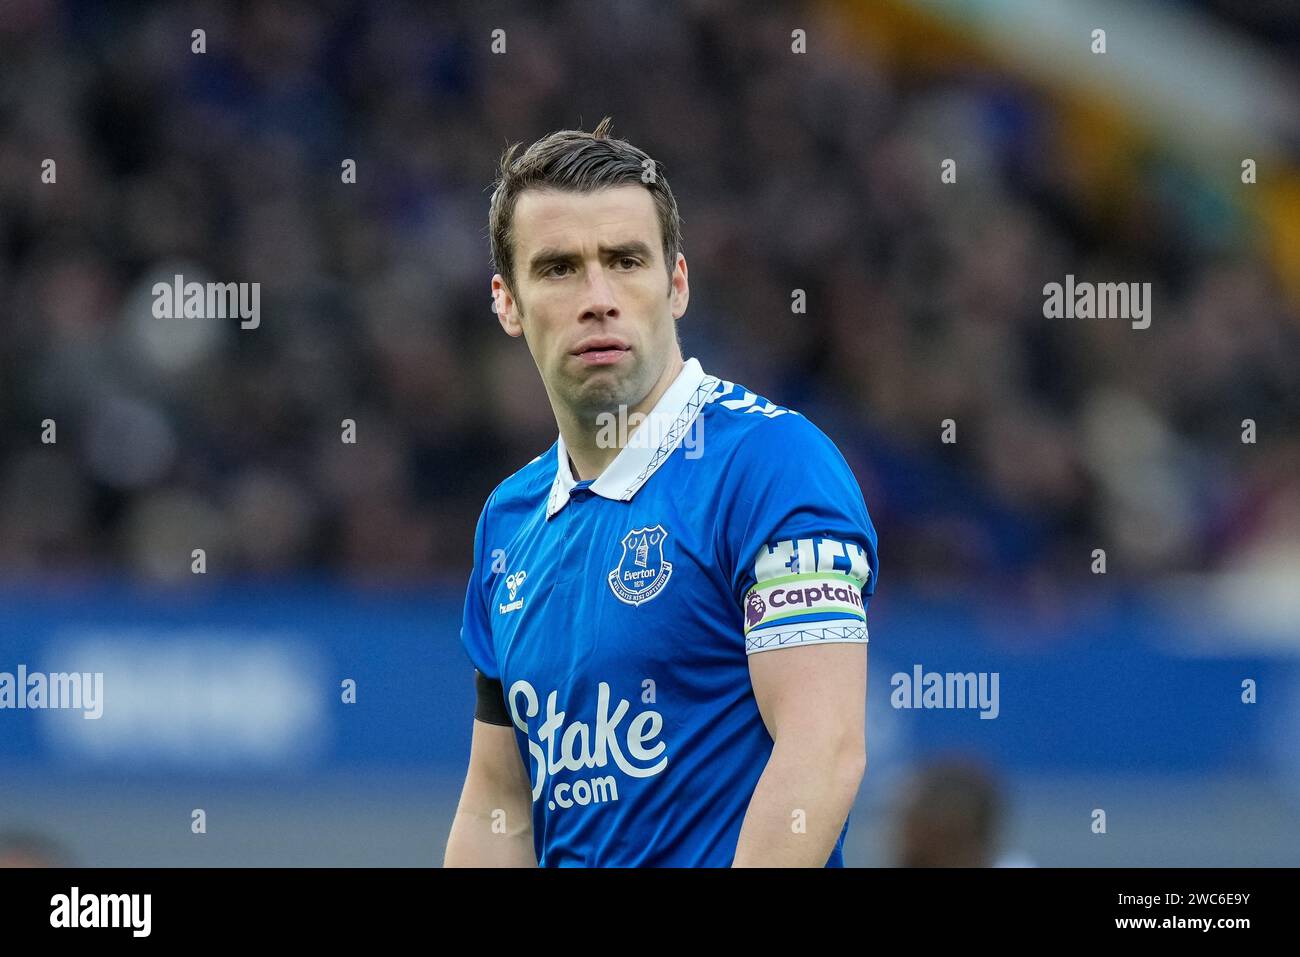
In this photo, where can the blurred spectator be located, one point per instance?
(28, 849)
(951, 815)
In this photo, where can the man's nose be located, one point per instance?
(599, 292)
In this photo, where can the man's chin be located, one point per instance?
(600, 388)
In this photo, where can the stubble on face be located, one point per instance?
(608, 390)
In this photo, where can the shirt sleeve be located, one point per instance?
(801, 546)
(476, 625)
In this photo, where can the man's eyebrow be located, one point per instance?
(551, 255)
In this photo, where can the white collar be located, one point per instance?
(639, 459)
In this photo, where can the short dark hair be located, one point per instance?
(582, 163)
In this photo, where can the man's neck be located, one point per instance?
(586, 457)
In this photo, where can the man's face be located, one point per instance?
(600, 309)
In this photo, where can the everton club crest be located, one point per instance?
(642, 572)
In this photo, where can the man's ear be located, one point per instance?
(506, 307)
(679, 289)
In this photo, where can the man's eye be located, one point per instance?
(628, 259)
(551, 271)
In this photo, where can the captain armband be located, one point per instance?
(804, 609)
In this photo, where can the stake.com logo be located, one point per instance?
(580, 746)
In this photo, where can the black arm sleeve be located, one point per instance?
(491, 704)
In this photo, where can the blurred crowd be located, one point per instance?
(817, 172)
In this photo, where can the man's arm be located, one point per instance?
(493, 826)
(813, 702)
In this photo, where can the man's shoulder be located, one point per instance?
(521, 490)
(739, 404)
(755, 429)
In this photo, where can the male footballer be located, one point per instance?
(667, 609)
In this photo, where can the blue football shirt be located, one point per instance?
(619, 614)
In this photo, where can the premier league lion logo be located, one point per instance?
(755, 609)
(642, 571)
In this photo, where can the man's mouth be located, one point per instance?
(598, 352)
